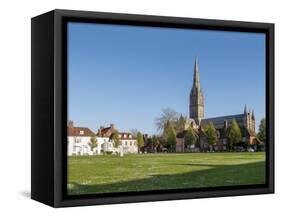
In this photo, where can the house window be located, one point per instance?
(131, 143)
(126, 143)
(81, 132)
(77, 140)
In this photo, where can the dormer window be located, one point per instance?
(125, 135)
(81, 132)
(130, 136)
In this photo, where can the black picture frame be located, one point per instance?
(49, 107)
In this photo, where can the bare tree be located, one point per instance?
(134, 132)
(168, 115)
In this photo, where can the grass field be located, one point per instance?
(100, 174)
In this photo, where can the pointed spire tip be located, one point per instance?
(196, 73)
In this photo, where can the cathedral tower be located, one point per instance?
(249, 119)
(196, 98)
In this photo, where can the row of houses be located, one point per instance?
(78, 140)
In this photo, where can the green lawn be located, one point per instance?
(99, 174)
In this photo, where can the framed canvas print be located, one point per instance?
(134, 108)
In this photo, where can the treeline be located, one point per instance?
(170, 123)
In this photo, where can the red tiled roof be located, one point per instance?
(105, 132)
(79, 131)
(128, 135)
(108, 132)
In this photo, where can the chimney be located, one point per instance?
(70, 124)
(112, 126)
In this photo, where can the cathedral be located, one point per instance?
(197, 120)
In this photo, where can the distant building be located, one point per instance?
(80, 137)
(245, 120)
(128, 142)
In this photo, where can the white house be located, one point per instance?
(128, 143)
(79, 139)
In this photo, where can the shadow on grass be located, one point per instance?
(214, 176)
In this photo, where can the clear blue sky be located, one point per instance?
(126, 75)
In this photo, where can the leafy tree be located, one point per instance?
(180, 124)
(168, 116)
(162, 143)
(211, 134)
(149, 142)
(190, 137)
(140, 141)
(155, 142)
(116, 139)
(262, 131)
(234, 134)
(171, 138)
(93, 142)
(166, 128)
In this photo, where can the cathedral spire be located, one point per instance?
(253, 115)
(196, 98)
(196, 82)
